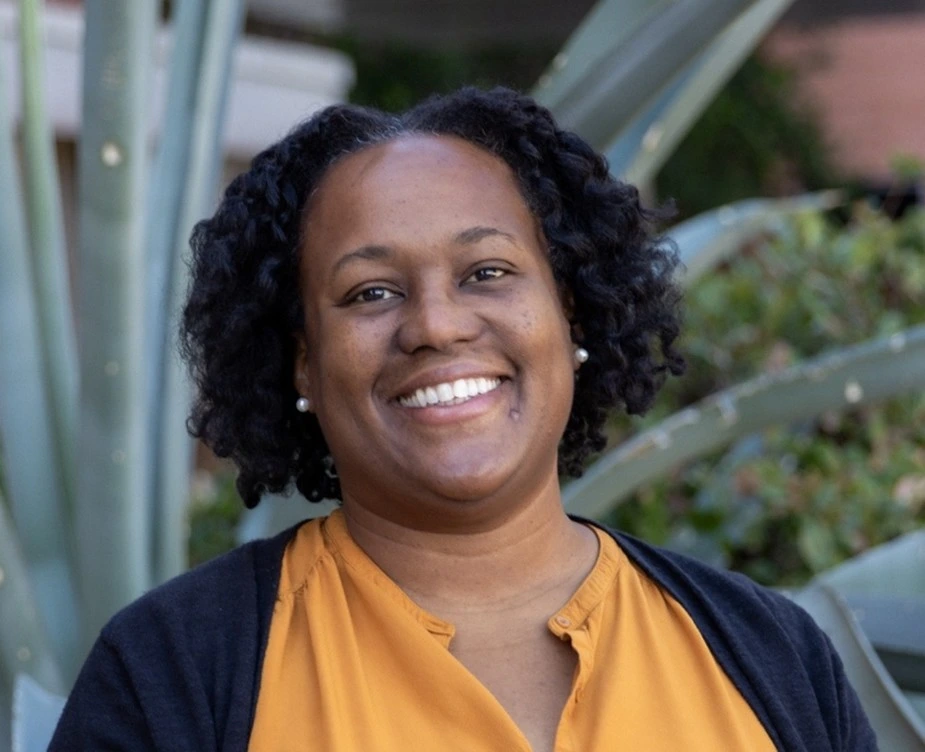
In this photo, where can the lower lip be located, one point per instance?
(475, 407)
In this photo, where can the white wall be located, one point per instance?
(275, 85)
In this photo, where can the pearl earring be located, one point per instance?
(303, 404)
(581, 355)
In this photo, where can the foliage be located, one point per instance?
(214, 515)
(755, 139)
(797, 500)
(393, 76)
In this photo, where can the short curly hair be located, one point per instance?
(243, 308)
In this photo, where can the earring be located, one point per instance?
(581, 355)
(303, 404)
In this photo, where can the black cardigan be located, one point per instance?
(179, 669)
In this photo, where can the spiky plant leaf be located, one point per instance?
(48, 250)
(196, 181)
(24, 646)
(710, 238)
(33, 480)
(851, 376)
(895, 569)
(35, 714)
(112, 522)
(618, 76)
(650, 138)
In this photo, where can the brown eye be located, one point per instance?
(486, 273)
(373, 294)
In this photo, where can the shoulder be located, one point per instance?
(716, 595)
(775, 654)
(179, 667)
(232, 588)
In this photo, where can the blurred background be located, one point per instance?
(787, 136)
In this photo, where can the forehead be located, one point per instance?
(417, 181)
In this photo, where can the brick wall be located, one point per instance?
(865, 76)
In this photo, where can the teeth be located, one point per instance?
(447, 393)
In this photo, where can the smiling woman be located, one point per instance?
(428, 317)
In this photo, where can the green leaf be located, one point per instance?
(608, 27)
(855, 375)
(893, 569)
(190, 170)
(49, 253)
(35, 714)
(894, 627)
(616, 78)
(112, 522)
(816, 544)
(34, 481)
(710, 238)
(642, 147)
(24, 645)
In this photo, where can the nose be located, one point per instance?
(437, 317)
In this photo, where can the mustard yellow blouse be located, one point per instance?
(353, 664)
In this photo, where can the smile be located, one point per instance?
(449, 393)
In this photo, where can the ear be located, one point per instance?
(300, 377)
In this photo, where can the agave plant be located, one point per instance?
(95, 462)
(97, 473)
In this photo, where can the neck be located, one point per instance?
(532, 551)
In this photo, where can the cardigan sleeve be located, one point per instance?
(849, 730)
(179, 668)
(103, 710)
(779, 659)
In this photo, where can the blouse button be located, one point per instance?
(563, 621)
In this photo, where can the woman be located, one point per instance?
(429, 317)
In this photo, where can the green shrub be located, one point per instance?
(797, 499)
(756, 139)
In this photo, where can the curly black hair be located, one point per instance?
(238, 325)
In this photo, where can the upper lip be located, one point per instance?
(446, 374)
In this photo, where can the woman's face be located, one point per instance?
(436, 351)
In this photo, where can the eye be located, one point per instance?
(486, 273)
(373, 294)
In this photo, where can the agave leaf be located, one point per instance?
(35, 714)
(197, 184)
(894, 569)
(609, 26)
(112, 522)
(642, 148)
(24, 646)
(618, 81)
(916, 701)
(35, 485)
(894, 627)
(165, 205)
(6, 705)
(708, 239)
(855, 375)
(897, 725)
(49, 254)
(169, 169)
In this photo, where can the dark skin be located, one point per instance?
(423, 265)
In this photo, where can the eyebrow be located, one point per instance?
(469, 236)
(368, 252)
(475, 234)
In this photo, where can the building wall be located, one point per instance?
(865, 76)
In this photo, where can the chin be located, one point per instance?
(472, 485)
